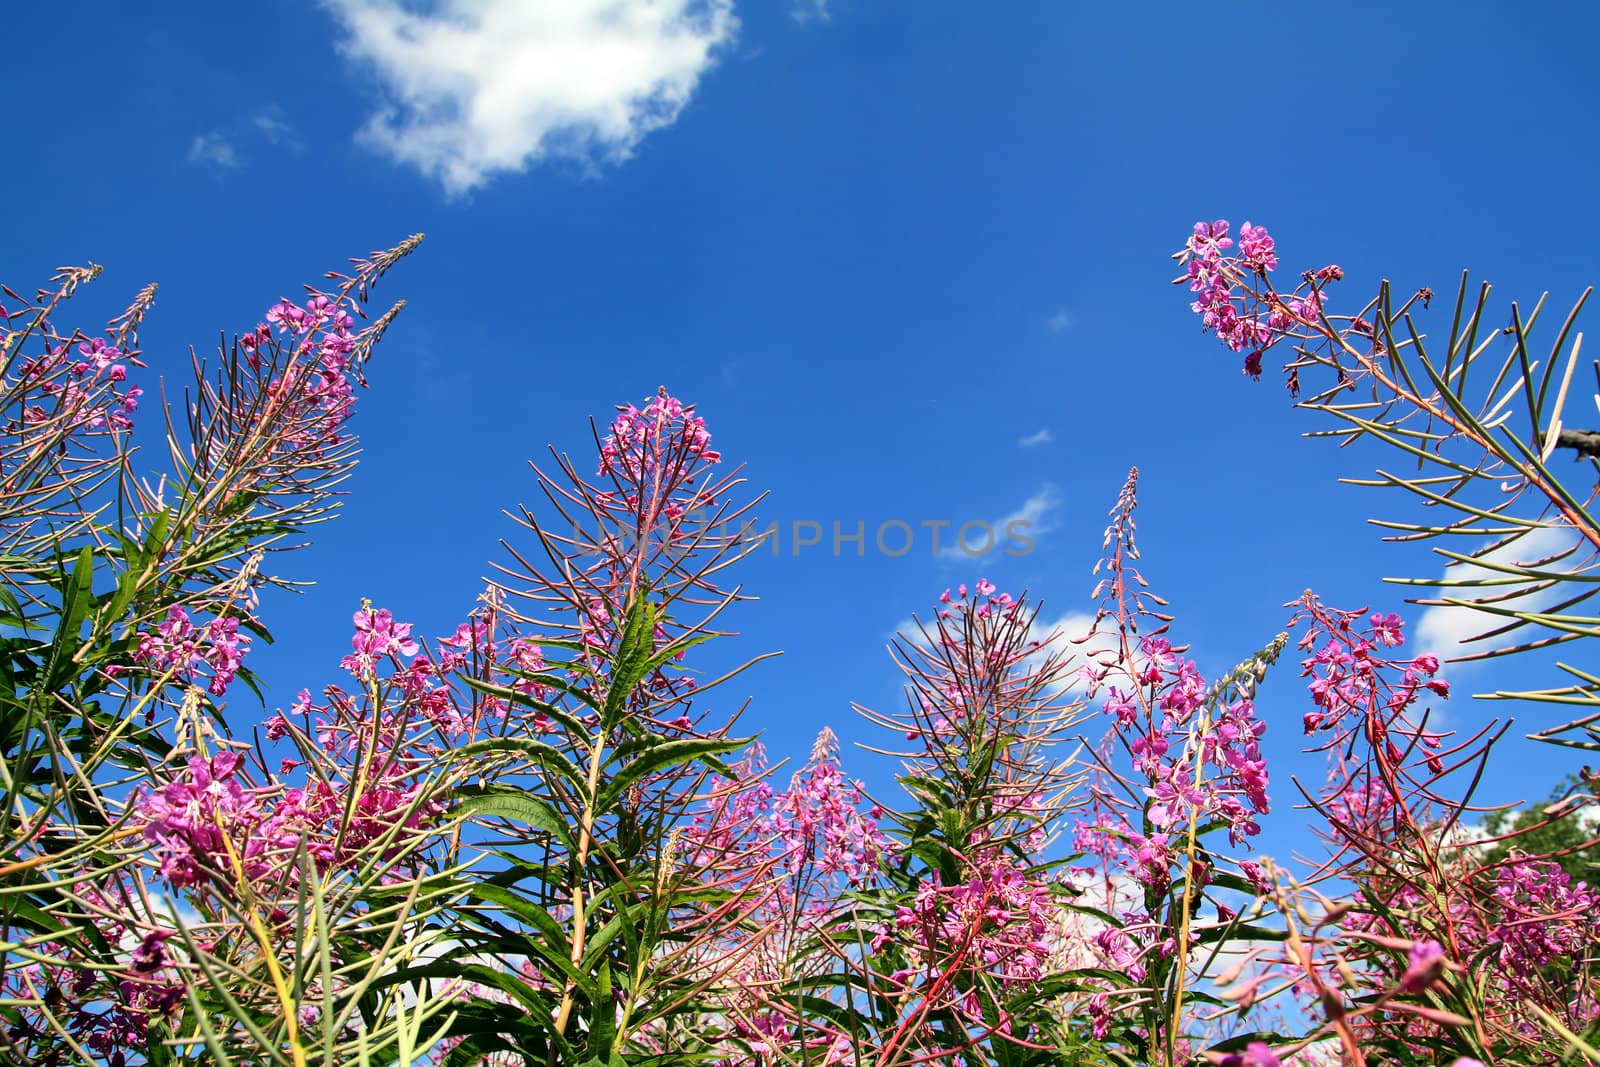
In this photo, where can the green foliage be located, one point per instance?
(1559, 829)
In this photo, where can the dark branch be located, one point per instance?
(1587, 442)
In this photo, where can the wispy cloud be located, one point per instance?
(810, 11)
(480, 87)
(1071, 633)
(1446, 630)
(1059, 321)
(1033, 518)
(213, 150)
(1037, 438)
(276, 129)
(230, 147)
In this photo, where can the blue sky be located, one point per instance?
(877, 244)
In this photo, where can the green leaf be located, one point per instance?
(1242, 931)
(599, 942)
(509, 802)
(633, 657)
(546, 755)
(75, 600)
(603, 1016)
(552, 948)
(669, 754)
(1238, 1042)
(490, 1027)
(561, 715)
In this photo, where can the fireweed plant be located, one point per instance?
(1502, 952)
(539, 839)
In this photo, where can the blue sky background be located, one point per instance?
(878, 244)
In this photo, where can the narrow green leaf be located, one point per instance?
(74, 607)
(525, 700)
(633, 657)
(546, 755)
(509, 802)
(669, 754)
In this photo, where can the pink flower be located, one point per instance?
(818, 824)
(1210, 238)
(378, 635)
(1424, 965)
(286, 316)
(664, 434)
(1256, 1054)
(1256, 248)
(179, 647)
(1387, 629)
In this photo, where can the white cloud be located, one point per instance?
(480, 87)
(910, 629)
(1441, 630)
(1015, 532)
(277, 130)
(1033, 440)
(213, 149)
(1072, 625)
(1064, 635)
(1074, 633)
(810, 10)
(1059, 321)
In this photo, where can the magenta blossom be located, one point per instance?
(1424, 965)
(377, 636)
(185, 650)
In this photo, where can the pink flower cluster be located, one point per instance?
(984, 642)
(998, 921)
(948, 691)
(1218, 301)
(661, 501)
(210, 827)
(734, 820)
(1164, 726)
(474, 645)
(1352, 682)
(818, 825)
(192, 822)
(377, 637)
(83, 384)
(418, 694)
(645, 444)
(1518, 919)
(314, 391)
(110, 1010)
(1540, 913)
(1356, 804)
(311, 815)
(1232, 297)
(179, 646)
